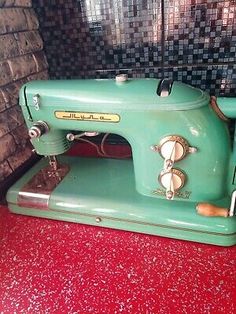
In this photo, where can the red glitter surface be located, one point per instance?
(51, 266)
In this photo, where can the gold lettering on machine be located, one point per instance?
(87, 116)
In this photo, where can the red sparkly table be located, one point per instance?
(58, 267)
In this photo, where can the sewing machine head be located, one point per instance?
(181, 147)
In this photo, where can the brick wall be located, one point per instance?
(21, 59)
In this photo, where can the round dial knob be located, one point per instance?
(173, 148)
(38, 129)
(172, 181)
(176, 176)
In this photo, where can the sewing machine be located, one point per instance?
(180, 182)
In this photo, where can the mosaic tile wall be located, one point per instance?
(189, 40)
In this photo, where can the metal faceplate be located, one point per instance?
(37, 191)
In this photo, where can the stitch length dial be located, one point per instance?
(174, 145)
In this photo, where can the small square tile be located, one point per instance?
(200, 32)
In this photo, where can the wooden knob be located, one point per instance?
(206, 209)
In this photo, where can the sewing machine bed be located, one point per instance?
(102, 192)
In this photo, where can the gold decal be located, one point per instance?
(184, 194)
(87, 116)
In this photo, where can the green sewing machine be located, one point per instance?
(180, 182)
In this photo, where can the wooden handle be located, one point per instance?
(206, 209)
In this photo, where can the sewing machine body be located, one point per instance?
(132, 194)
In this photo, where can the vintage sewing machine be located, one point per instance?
(183, 161)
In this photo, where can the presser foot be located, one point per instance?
(53, 162)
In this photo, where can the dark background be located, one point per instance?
(193, 41)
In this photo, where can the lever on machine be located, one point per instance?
(164, 87)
